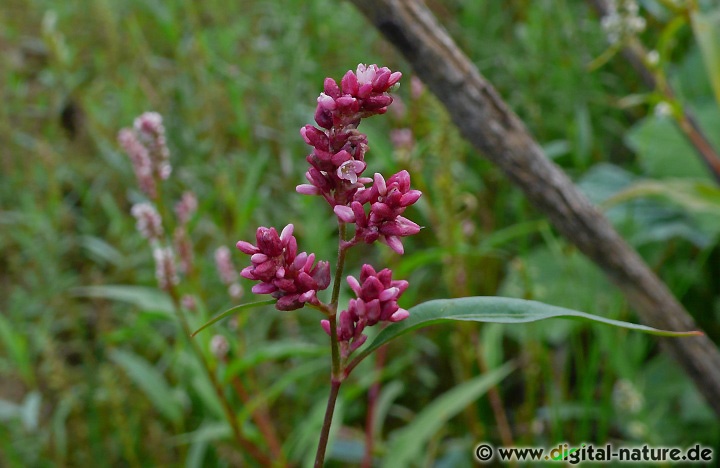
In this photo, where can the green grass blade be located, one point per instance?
(494, 310)
(151, 381)
(411, 441)
(231, 311)
(705, 26)
(146, 298)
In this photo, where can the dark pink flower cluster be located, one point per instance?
(338, 157)
(377, 296)
(387, 201)
(288, 276)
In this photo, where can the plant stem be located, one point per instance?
(336, 364)
(336, 376)
(227, 409)
(263, 422)
(373, 394)
(340, 265)
(496, 403)
(325, 433)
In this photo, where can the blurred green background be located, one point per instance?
(93, 370)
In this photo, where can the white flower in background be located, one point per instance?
(622, 21)
(627, 398)
(653, 58)
(663, 109)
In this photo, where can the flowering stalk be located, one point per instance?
(337, 163)
(148, 152)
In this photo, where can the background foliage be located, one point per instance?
(92, 366)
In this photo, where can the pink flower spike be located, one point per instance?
(290, 277)
(345, 213)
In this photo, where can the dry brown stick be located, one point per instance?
(486, 121)
(634, 53)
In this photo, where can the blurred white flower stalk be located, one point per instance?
(622, 21)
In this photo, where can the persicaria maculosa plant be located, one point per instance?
(371, 206)
(368, 210)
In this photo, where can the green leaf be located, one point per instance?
(490, 309)
(231, 311)
(700, 199)
(147, 299)
(412, 439)
(273, 351)
(706, 27)
(663, 150)
(693, 195)
(150, 381)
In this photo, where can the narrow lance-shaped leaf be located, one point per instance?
(491, 309)
(231, 311)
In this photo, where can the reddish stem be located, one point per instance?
(325, 433)
(373, 394)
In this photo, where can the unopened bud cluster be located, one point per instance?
(376, 301)
(289, 277)
(337, 161)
